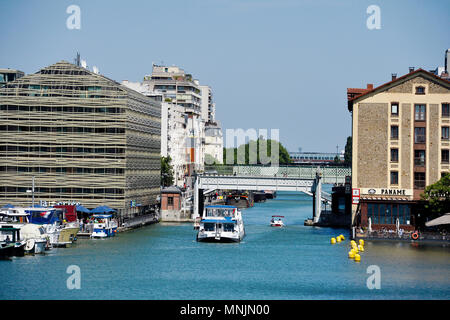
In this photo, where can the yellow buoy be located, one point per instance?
(338, 239)
(342, 237)
(361, 248)
(356, 250)
(333, 240)
(357, 257)
(351, 254)
(361, 242)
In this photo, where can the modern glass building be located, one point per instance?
(85, 138)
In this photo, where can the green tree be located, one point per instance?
(249, 149)
(166, 171)
(438, 196)
(348, 152)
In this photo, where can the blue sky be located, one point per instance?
(281, 64)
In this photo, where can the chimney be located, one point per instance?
(394, 76)
(411, 69)
(369, 86)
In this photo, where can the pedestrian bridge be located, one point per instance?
(329, 174)
(255, 178)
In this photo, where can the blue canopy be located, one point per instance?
(226, 220)
(82, 209)
(8, 206)
(102, 209)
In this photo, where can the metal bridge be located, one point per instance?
(254, 178)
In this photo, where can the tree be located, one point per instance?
(166, 171)
(348, 152)
(438, 196)
(249, 149)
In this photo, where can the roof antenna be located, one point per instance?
(77, 60)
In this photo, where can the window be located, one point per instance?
(420, 90)
(419, 157)
(394, 108)
(394, 177)
(394, 132)
(170, 201)
(446, 110)
(419, 180)
(445, 133)
(444, 156)
(419, 135)
(419, 112)
(394, 155)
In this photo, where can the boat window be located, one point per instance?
(209, 226)
(228, 227)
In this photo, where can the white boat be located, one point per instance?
(221, 224)
(104, 226)
(37, 241)
(59, 234)
(34, 236)
(277, 221)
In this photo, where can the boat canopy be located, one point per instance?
(278, 216)
(218, 221)
(102, 216)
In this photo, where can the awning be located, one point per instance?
(445, 219)
(102, 209)
(80, 208)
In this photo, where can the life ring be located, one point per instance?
(415, 235)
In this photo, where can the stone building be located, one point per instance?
(400, 145)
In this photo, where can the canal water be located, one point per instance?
(163, 261)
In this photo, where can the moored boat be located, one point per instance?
(221, 224)
(104, 226)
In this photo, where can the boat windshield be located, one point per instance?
(220, 212)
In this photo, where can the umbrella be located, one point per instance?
(444, 219)
(102, 209)
(8, 206)
(80, 208)
(370, 224)
(397, 224)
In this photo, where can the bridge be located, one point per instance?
(306, 179)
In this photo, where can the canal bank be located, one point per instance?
(163, 261)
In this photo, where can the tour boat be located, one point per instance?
(104, 226)
(277, 221)
(221, 224)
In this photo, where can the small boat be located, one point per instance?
(104, 226)
(37, 241)
(277, 221)
(221, 224)
(10, 241)
(60, 235)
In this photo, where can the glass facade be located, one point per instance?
(387, 213)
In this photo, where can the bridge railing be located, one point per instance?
(330, 174)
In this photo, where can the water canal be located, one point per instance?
(163, 261)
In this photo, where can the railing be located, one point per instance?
(328, 173)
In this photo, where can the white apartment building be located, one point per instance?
(213, 143)
(186, 110)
